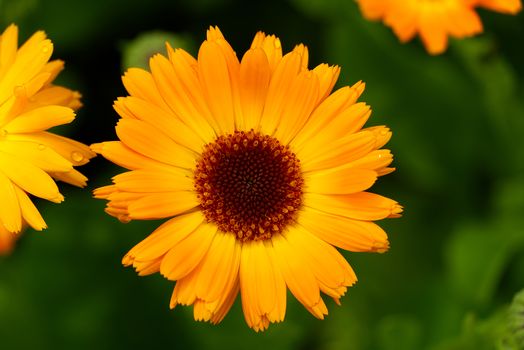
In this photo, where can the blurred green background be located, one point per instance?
(457, 254)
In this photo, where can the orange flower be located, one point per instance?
(433, 20)
(261, 171)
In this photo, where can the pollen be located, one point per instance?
(249, 184)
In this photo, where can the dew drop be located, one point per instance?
(77, 156)
(3, 132)
(19, 91)
(41, 147)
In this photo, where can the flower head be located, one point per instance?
(30, 157)
(434, 20)
(262, 171)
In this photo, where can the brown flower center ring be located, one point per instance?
(249, 184)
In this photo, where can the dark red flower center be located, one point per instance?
(249, 184)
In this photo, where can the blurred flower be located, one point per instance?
(262, 170)
(433, 20)
(30, 157)
(7, 240)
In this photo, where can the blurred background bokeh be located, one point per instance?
(457, 255)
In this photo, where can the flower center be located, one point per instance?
(249, 184)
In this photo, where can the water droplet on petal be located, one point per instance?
(3, 132)
(41, 147)
(19, 91)
(77, 156)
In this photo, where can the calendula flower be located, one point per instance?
(434, 20)
(30, 157)
(262, 171)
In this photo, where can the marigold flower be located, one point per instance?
(31, 157)
(434, 20)
(262, 171)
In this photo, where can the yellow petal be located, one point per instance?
(144, 268)
(376, 160)
(162, 205)
(271, 46)
(8, 47)
(279, 89)
(164, 238)
(359, 206)
(30, 60)
(330, 109)
(54, 68)
(10, 214)
(75, 152)
(72, 177)
(149, 141)
(219, 268)
(299, 278)
(184, 291)
(214, 76)
(382, 135)
(228, 300)
(327, 77)
(433, 33)
(504, 6)
(345, 233)
(317, 156)
(302, 50)
(122, 110)
(153, 181)
(346, 122)
(140, 83)
(30, 178)
(331, 270)
(298, 105)
(120, 154)
(340, 180)
(262, 286)
(54, 95)
(178, 85)
(40, 119)
(255, 74)
(164, 122)
(35, 153)
(185, 255)
(30, 214)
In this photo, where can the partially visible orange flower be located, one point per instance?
(7, 240)
(31, 158)
(434, 20)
